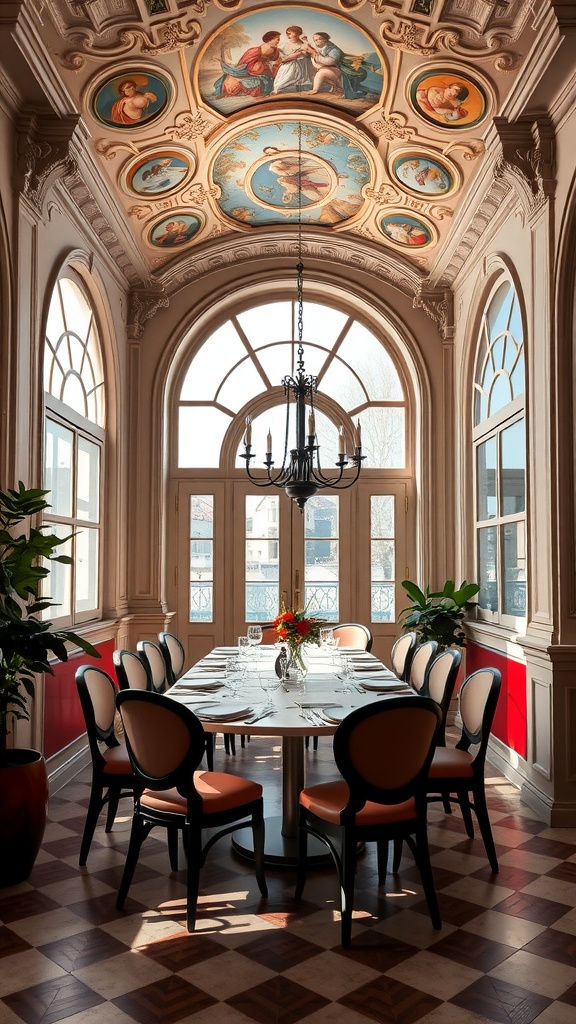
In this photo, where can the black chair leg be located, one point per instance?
(113, 799)
(382, 860)
(485, 827)
(210, 751)
(194, 851)
(258, 833)
(302, 857)
(137, 835)
(347, 887)
(230, 743)
(464, 801)
(173, 848)
(421, 853)
(397, 856)
(92, 814)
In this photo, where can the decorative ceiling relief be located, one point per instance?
(289, 52)
(131, 96)
(449, 97)
(262, 175)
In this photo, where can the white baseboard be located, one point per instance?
(67, 763)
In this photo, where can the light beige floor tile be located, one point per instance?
(99, 859)
(450, 1014)
(537, 974)
(17, 971)
(434, 974)
(510, 837)
(455, 860)
(82, 886)
(559, 835)
(415, 929)
(67, 810)
(567, 924)
(556, 1013)
(553, 889)
(226, 975)
(230, 927)
(49, 927)
(474, 890)
(222, 1014)
(331, 975)
(55, 831)
(333, 1013)
(511, 931)
(120, 974)
(104, 1013)
(136, 930)
(528, 861)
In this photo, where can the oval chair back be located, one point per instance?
(421, 659)
(112, 776)
(440, 683)
(132, 671)
(401, 654)
(354, 634)
(174, 656)
(151, 653)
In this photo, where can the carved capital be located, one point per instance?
(528, 157)
(439, 306)
(43, 153)
(143, 306)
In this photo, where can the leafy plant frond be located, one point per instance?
(439, 615)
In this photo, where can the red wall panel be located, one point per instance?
(63, 718)
(510, 725)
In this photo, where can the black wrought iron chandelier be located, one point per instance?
(301, 475)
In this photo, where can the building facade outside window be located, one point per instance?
(500, 460)
(73, 448)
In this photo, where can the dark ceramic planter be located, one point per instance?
(23, 807)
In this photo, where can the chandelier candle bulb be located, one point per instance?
(311, 428)
(248, 431)
(269, 443)
(358, 439)
(341, 441)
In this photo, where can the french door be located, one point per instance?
(243, 552)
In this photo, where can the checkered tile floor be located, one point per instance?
(506, 952)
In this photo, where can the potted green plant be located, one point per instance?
(439, 615)
(27, 646)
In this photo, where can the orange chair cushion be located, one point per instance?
(117, 761)
(329, 799)
(451, 763)
(219, 792)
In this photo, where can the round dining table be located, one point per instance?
(295, 712)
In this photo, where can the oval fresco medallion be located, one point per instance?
(261, 174)
(157, 174)
(424, 174)
(280, 53)
(449, 97)
(174, 230)
(130, 97)
(406, 230)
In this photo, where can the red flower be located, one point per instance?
(303, 627)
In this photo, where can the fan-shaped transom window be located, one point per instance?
(500, 460)
(73, 445)
(250, 354)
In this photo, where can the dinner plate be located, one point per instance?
(191, 686)
(385, 685)
(219, 651)
(200, 677)
(335, 715)
(225, 712)
(373, 666)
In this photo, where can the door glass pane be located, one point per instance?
(488, 568)
(86, 570)
(201, 558)
(58, 461)
(383, 437)
(512, 465)
(514, 568)
(486, 477)
(321, 550)
(382, 558)
(201, 431)
(262, 558)
(88, 481)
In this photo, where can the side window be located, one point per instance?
(73, 447)
(500, 460)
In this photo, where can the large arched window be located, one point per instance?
(256, 349)
(500, 459)
(73, 447)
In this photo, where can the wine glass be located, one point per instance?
(326, 638)
(233, 675)
(345, 673)
(254, 635)
(269, 682)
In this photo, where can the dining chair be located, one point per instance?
(174, 655)
(456, 773)
(440, 683)
(112, 776)
(401, 654)
(165, 742)
(383, 752)
(150, 652)
(354, 634)
(420, 661)
(132, 670)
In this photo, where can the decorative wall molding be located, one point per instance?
(188, 126)
(439, 306)
(391, 127)
(144, 304)
(484, 213)
(527, 158)
(43, 153)
(165, 37)
(418, 37)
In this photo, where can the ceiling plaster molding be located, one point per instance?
(43, 153)
(439, 306)
(485, 213)
(391, 127)
(527, 158)
(421, 38)
(165, 37)
(144, 304)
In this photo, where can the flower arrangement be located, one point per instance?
(296, 629)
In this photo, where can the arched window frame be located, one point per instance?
(499, 461)
(73, 450)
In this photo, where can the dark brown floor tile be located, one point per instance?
(442, 877)
(278, 1000)
(390, 1002)
(83, 949)
(75, 824)
(52, 1001)
(509, 877)
(554, 945)
(279, 950)
(566, 872)
(164, 1002)
(103, 909)
(378, 951)
(68, 847)
(181, 950)
(25, 904)
(472, 950)
(499, 1001)
(112, 876)
(452, 910)
(569, 996)
(516, 821)
(10, 943)
(532, 908)
(475, 847)
(548, 847)
(50, 872)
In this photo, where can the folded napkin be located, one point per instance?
(372, 666)
(199, 688)
(377, 674)
(200, 677)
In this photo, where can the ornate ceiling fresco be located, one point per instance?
(206, 120)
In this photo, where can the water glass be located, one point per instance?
(269, 682)
(233, 676)
(326, 637)
(254, 636)
(243, 646)
(345, 673)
